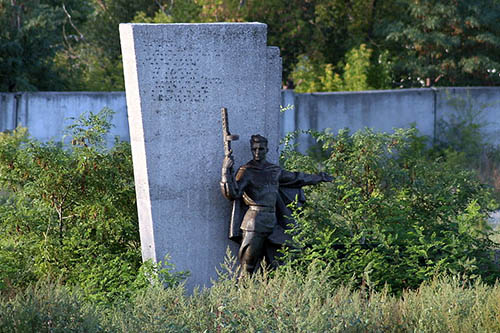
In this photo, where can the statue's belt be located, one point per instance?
(262, 209)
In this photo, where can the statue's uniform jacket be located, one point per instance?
(259, 188)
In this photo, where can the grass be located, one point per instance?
(284, 302)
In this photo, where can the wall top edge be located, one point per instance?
(285, 90)
(47, 93)
(397, 91)
(197, 24)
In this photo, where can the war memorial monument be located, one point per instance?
(177, 78)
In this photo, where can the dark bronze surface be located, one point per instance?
(260, 192)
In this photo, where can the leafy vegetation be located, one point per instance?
(29, 40)
(398, 242)
(359, 73)
(447, 43)
(394, 216)
(68, 211)
(287, 301)
(74, 45)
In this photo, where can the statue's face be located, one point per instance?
(259, 151)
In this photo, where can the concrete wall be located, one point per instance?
(384, 110)
(481, 103)
(46, 113)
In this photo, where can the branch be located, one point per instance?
(71, 22)
(102, 4)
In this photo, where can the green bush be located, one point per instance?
(288, 301)
(68, 211)
(363, 70)
(393, 215)
(48, 307)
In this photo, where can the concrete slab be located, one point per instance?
(177, 78)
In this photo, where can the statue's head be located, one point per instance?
(258, 145)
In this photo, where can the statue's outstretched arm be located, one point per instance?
(299, 179)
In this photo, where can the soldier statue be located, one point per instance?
(260, 192)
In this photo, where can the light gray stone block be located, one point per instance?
(177, 79)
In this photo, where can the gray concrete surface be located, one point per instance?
(49, 112)
(8, 103)
(385, 110)
(177, 78)
(480, 105)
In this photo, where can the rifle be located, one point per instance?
(226, 135)
(227, 181)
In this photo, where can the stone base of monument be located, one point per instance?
(177, 79)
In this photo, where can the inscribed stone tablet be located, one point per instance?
(177, 78)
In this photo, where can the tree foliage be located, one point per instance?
(74, 45)
(32, 32)
(393, 215)
(446, 43)
(68, 212)
(361, 71)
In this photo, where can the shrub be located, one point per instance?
(68, 211)
(393, 215)
(288, 301)
(48, 307)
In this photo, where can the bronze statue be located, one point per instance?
(260, 192)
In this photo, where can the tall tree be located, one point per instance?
(446, 42)
(323, 30)
(31, 34)
(95, 63)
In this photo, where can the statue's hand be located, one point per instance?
(227, 163)
(325, 177)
